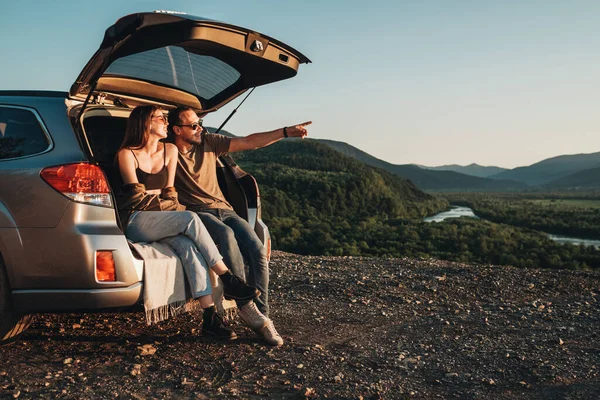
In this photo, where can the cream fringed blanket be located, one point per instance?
(165, 293)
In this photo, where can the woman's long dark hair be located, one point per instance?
(138, 125)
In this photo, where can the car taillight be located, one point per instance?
(105, 266)
(81, 182)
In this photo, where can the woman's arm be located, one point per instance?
(172, 155)
(133, 197)
(168, 195)
(127, 166)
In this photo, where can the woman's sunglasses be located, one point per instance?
(162, 118)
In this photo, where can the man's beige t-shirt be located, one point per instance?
(196, 177)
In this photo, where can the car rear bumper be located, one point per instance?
(64, 257)
(77, 299)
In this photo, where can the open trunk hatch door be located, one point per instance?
(177, 59)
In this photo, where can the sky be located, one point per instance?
(430, 82)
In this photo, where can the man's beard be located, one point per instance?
(193, 139)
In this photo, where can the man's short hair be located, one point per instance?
(175, 113)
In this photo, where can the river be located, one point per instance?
(455, 212)
(459, 211)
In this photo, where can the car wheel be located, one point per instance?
(12, 324)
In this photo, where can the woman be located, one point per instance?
(150, 212)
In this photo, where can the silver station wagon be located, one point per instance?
(61, 244)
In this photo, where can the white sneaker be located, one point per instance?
(260, 324)
(251, 315)
(270, 335)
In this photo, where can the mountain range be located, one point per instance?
(572, 172)
(575, 171)
(552, 169)
(427, 179)
(471, 169)
(565, 172)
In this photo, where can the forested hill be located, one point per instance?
(315, 197)
(586, 179)
(425, 178)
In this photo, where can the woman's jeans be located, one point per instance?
(235, 238)
(152, 226)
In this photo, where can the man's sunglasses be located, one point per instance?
(194, 126)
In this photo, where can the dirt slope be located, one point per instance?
(354, 328)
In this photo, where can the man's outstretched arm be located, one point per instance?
(262, 139)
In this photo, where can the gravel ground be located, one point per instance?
(354, 328)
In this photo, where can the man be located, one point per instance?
(198, 188)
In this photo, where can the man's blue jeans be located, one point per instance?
(237, 241)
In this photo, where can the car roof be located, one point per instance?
(36, 93)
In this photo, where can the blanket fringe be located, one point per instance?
(162, 313)
(169, 310)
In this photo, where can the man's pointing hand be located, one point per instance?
(298, 130)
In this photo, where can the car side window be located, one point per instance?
(20, 133)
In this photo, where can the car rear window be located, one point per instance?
(20, 133)
(173, 66)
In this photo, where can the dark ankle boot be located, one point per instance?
(214, 326)
(236, 289)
